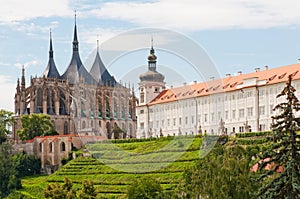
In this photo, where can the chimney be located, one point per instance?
(195, 82)
(171, 86)
(266, 67)
(298, 61)
(184, 84)
(240, 72)
(257, 69)
(212, 78)
(228, 75)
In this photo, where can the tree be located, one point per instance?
(284, 151)
(88, 190)
(26, 165)
(8, 174)
(57, 191)
(36, 125)
(223, 173)
(66, 190)
(6, 120)
(145, 188)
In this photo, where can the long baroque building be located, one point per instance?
(236, 103)
(78, 101)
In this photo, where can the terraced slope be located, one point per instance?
(113, 166)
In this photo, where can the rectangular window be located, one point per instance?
(241, 113)
(261, 110)
(174, 121)
(142, 125)
(168, 122)
(233, 114)
(249, 94)
(233, 97)
(186, 120)
(180, 121)
(142, 111)
(250, 111)
(192, 119)
(142, 97)
(205, 117)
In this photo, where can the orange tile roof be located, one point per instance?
(227, 84)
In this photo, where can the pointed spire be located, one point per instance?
(51, 47)
(97, 45)
(23, 77)
(152, 49)
(75, 40)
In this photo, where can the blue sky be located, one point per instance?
(238, 35)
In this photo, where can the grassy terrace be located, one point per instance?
(113, 166)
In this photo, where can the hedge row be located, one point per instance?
(253, 134)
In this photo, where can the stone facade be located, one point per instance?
(78, 102)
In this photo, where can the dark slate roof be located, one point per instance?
(76, 70)
(101, 74)
(51, 70)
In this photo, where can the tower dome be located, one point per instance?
(152, 75)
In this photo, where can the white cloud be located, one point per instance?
(203, 14)
(28, 64)
(7, 87)
(16, 10)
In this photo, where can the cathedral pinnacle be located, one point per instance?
(75, 40)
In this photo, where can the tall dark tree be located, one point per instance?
(6, 120)
(8, 173)
(282, 157)
(26, 165)
(36, 125)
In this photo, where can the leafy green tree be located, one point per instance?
(145, 188)
(88, 190)
(36, 125)
(284, 153)
(6, 120)
(26, 165)
(57, 191)
(223, 173)
(8, 174)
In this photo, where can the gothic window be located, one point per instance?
(39, 101)
(62, 105)
(41, 147)
(62, 147)
(83, 125)
(66, 128)
(50, 147)
(83, 110)
(142, 98)
(115, 109)
(50, 102)
(130, 109)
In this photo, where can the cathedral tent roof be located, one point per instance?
(51, 70)
(76, 70)
(100, 73)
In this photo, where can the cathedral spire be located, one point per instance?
(51, 48)
(23, 77)
(75, 40)
(152, 58)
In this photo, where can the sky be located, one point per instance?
(194, 39)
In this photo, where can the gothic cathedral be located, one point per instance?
(78, 102)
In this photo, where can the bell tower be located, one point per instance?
(151, 82)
